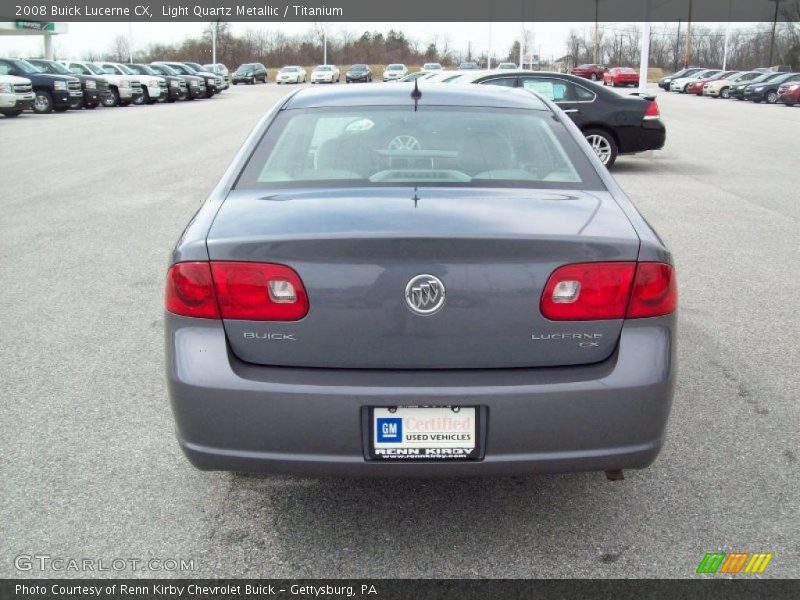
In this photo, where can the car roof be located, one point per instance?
(399, 94)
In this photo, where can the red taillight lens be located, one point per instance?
(652, 111)
(609, 290)
(259, 291)
(655, 291)
(190, 291)
(588, 291)
(236, 290)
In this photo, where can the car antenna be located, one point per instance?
(416, 94)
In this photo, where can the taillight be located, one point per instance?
(652, 111)
(259, 291)
(588, 292)
(236, 290)
(190, 291)
(655, 291)
(609, 290)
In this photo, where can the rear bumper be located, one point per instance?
(650, 135)
(236, 416)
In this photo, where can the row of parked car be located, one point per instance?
(759, 85)
(252, 73)
(45, 86)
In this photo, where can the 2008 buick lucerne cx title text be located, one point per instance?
(402, 281)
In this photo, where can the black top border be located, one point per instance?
(277, 11)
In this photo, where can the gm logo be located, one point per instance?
(390, 430)
(734, 562)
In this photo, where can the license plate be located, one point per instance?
(413, 433)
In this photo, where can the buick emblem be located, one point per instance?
(425, 294)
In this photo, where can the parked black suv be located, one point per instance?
(249, 73)
(52, 92)
(94, 88)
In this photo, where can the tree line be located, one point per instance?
(748, 47)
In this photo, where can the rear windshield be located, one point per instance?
(434, 146)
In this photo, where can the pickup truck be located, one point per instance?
(153, 87)
(195, 85)
(94, 87)
(176, 86)
(51, 92)
(213, 83)
(120, 89)
(219, 80)
(16, 95)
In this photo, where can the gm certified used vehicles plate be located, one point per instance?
(402, 281)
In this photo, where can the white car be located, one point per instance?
(721, 88)
(680, 84)
(325, 74)
(16, 95)
(291, 74)
(507, 66)
(428, 67)
(394, 72)
(154, 87)
(120, 87)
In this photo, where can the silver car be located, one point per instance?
(411, 280)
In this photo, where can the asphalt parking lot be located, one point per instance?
(91, 206)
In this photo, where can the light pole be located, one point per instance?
(214, 42)
(727, 38)
(644, 63)
(772, 39)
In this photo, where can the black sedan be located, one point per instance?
(612, 123)
(767, 91)
(358, 73)
(94, 88)
(737, 90)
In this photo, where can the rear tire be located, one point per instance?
(604, 145)
(43, 102)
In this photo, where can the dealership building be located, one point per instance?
(45, 29)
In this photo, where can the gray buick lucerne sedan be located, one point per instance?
(432, 281)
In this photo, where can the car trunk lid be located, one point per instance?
(356, 250)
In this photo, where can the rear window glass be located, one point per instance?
(434, 146)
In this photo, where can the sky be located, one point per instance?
(549, 38)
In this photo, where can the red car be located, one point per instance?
(789, 93)
(696, 87)
(621, 76)
(593, 72)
